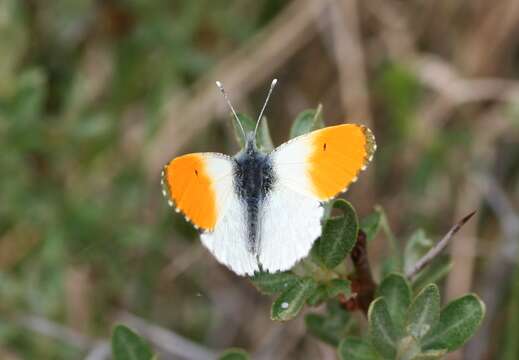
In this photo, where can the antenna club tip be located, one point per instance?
(219, 84)
(274, 82)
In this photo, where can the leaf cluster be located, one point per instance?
(405, 320)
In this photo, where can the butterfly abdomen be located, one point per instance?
(253, 180)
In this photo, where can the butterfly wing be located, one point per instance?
(200, 185)
(291, 221)
(309, 170)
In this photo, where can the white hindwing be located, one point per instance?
(291, 216)
(228, 241)
(291, 223)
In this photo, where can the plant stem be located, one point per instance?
(438, 248)
(362, 282)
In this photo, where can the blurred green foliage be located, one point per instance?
(83, 232)
(402, 324)
(73, 192)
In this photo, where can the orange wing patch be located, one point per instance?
(191, 189)
(338, 154)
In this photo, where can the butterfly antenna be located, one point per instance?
(222, 90)
(272, 85)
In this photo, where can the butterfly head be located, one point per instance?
(250, 143)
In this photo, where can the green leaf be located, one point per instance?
(397, 293)
(459, 321)
(316, 325)
(433, 273)
(307, 121)
(354, 348)
(382, 331)
(430, 355)
(338, 286)
(424, 312)
(329, 290)
(234, 354)
(339, 235)
(318, 296)
(30, 97)
(272, 283)
(263, 138)
(331, 327)
(408, 347)
(290, 302)
(126, 345)
(416, 247)
(371, 224)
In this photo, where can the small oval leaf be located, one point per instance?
(339, 235)
(329, 290)
(371, 224)
(331, 327)
(318, 296)
(335, 287)
(416, 247)
(382, 331)
(127, 345)
(234, 354)
(272, 283)
(354, 348)
(424, 312)
(318, 327)
(290, 302)
(307, 121)
(459, 321)
(397, 293)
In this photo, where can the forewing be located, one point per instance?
(201, 187)
(325, 162)
(308, 170)
(198, 185)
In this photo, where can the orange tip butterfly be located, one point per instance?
(262, 211)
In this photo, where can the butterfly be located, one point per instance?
(260, 211)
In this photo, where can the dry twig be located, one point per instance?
(438, 248)
(100, 351)
(362, 283)
(54, 330)
(167, 340)
(349, 56)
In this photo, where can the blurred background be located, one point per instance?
(95, 96)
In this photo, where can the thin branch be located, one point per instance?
(349, 56)
(438, 248)
(54, 330)
(100, 351)
(446, 80)
(167, 340)
(362, 283)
